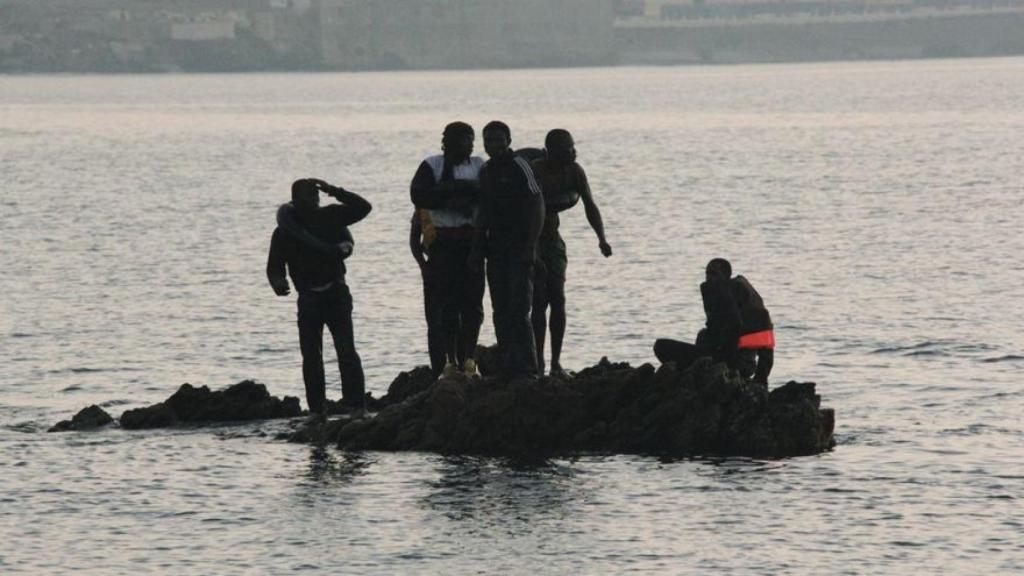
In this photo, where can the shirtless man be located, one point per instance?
(564, 183)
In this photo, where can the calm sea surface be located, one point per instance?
(876, 206)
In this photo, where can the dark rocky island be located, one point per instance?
(610, 408)
(606, 409)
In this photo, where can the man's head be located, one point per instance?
(560, 146)
(457, 142)
(718, 269)
(305, 196)
(497, 138)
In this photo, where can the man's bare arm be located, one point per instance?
(593, 214)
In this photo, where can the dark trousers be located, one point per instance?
(722, 347)
(684, 354)
(510, 278)
(458, 299)
(432, 312)
(332, 308)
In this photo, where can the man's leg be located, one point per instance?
(432, 309)
(471, 305)
(523, 350)
(765, 361)
(682, 353)
(557, 262)
(556, 295)
(447, 285)
(350, 366)
(499, 308)
(538, 315)
(311, 332)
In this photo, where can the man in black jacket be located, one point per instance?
(738, 326)
(318, 273)
(508, 227)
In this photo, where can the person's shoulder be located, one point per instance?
(280, 238)
(523, 164)
(435, 162)
(742, 282)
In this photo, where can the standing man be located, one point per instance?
(421, 236)
(447, 188)
(564, 183)
(319, 278)
(508, 227)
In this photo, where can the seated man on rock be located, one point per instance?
(313, 243)
(737, 329)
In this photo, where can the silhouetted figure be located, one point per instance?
(564, 184)
(758, 333)
(508, 227)
(421, 235)
(738, 327)
(318, 274)
(447, 188)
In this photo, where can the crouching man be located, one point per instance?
(738, 328)
(313, 243)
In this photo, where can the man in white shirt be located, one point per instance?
(447, 187)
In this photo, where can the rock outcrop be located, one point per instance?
(246, 400)
(87, 419)
(608, 409)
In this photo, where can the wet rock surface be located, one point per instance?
(87, 419)
(608, 408)
(246, 400)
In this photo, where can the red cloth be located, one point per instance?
(758, 340)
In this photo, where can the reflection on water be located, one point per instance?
(330, 466)
(501, 495)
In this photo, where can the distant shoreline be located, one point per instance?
(103, 46)
(652, 65)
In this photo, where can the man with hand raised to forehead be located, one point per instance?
(508, 226)
(564, 184)
(317, 270)
(446, 193)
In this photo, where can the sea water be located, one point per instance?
(875, 206)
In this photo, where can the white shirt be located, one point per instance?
(468, 170)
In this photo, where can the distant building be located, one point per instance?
(203, 31)
(358, 34)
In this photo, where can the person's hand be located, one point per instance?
(420, 255)
(606, 249)
(281, 287)
(343, 249)
(326, 188)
